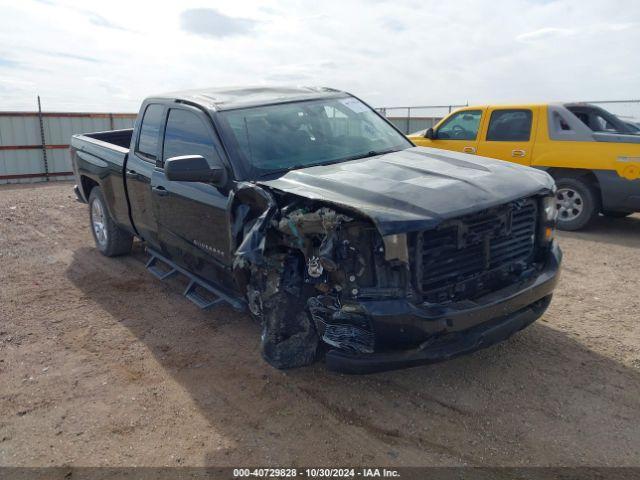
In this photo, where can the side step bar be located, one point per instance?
(163, 268)
(153, 267)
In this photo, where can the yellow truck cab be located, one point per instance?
(593, 156)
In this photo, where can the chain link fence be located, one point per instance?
(415, 118)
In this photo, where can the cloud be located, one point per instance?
(288, 77)
(610, 27)
(71, 56)
(78, 56)
(209, 22)
(269, 10)
(554, 32)
(545, 33)
(394, 25)
(6, 63)
(100, 21)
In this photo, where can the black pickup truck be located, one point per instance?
(341, 237)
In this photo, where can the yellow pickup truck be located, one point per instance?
(593, 156)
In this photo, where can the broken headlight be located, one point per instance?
(395, 247)
(550, 209)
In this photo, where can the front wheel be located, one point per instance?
(110, 239)
(578, 203)
(289, 338)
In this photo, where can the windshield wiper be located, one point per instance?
(370, 153)
(284, 170)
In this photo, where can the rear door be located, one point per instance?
(459, 132)
(509, 134)
(192, 216)
(139, 168)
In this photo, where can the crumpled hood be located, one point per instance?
(415, 189)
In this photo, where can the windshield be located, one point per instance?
(286, 136)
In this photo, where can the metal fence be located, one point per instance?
(412, 119)
(418, 117)
(34, 146)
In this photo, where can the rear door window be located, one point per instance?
(150, 131)
(510, 125)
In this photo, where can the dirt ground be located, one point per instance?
(102, 364)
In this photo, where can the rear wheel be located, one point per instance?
(578, 203)
(110, 239)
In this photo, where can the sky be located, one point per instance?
(107, 56)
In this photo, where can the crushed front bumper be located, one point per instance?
(447, 332)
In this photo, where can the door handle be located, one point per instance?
(469, 150)
(518, 153)
(160, 191)
(131, 174)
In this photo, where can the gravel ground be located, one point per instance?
(102, 364)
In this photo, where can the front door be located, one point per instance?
(509, 134)
(192, 216)
(139, 169)
(459, 132)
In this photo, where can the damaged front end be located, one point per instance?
(305, 267)
(316, 273)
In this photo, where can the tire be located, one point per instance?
(110, 239)
(612, 214)
(289, 338)
(578, 203)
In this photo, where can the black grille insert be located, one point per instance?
(476, 253)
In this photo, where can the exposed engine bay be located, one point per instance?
(299, 262)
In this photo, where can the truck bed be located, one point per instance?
(121, 138)
(101, 149)
(103, 155)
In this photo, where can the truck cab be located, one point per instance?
(593, 156)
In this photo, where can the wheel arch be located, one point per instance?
(581, 173)
(87, 184)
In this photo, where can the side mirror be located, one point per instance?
(194, 168)
(430, 133)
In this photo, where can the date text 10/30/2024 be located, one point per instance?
(315, 473)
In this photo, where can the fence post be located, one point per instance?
(408, 120)
(44, 145)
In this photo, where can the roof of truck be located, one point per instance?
(228, 98)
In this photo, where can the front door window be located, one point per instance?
(461, 126)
